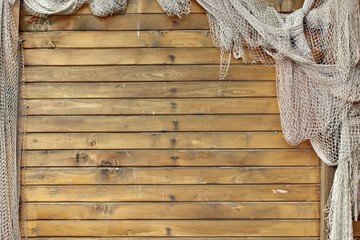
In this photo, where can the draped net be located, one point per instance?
(10, 145)
(316, 53)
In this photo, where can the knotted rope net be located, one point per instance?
(99, 8)
(316, 53)
(10, 142)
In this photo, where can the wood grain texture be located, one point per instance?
(158, 123)
(169, 73)
(124, 56)
(145, 6)
(223, 89)
(156, 158)
(117, 39)
(135, 22)
(174, 228)
(152, 106)
(232, 140)
(136, 211)
(178, 238)
(116, 175)
(131, 135)
(173, 193)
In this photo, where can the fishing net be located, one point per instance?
(175, 8)
(10, 143)
(316, 53)
(99, 8)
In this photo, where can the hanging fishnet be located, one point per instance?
(175, 8)
(316, 53)
(99, 8)
(10, 143)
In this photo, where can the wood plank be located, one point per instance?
(134, 22)
(152, 106)
(223, 89)
(157, 158)
(145, 6)
(177, 238)
(168, 228)
(116, 39)
(180, 123)
(356, 227)
(146, 73)
(228, 140)
(124, 56)
(175, 175)
(136, 211)
(173, 193)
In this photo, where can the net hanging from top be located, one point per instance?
(316, 53)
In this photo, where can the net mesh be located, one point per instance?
(316, 53)
(10, 142)
(175, 8)
(99, 8)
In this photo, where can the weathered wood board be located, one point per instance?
(132, 136)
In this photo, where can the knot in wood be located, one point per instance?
(174, 158)
(108, 162)
(82, 157)
(101, 208)
(91, 142)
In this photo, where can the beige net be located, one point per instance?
(10, 143)
(175, 8)
(316, 53)
(99, 8)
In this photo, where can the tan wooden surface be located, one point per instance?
(134, 211)
(149, 73)
(224, 89)
(200, 106)
(173, 193)
(175, 228)
(131, 135)
(157, 158)
(203, 175)
(146, 6)
(200, 123)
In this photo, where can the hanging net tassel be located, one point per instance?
(102, 8)
(175, 7)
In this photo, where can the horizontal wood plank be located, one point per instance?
(177, 238)
(145, 6)
(173, 193)
(228, 175)
(152, 106)
(168, 228)
(136, 211)
(156, 158)
(116, 39)
(124, 56)
(146, 73)
(180, 123)
(137, 22)
(223, 89)
(228, 140)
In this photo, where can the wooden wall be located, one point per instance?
(132, 136)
